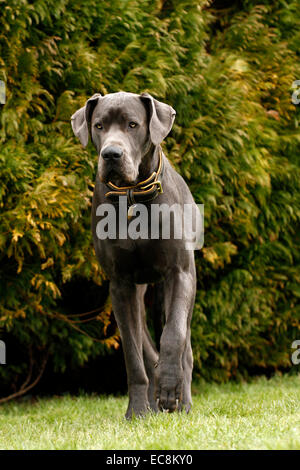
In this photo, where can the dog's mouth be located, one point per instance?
(120, 171)
(115, 176)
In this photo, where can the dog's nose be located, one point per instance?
(111, 152)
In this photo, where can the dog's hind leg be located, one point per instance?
(158, 311)
(150, 355)
(150, 359)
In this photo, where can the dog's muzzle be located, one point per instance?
(111, 152)
(143, 191)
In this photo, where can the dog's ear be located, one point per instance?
(81, 120)
(161, 118)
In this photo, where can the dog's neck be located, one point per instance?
(149, 163)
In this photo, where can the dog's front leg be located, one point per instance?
(128, 313)
(170, 376)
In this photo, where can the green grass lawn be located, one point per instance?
(264, 414)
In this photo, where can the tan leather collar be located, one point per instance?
(143, 191)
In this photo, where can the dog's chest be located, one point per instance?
(141, 262)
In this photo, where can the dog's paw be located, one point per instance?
(185, 407)
(137, 409)
(169, 384)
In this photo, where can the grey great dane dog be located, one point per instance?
(127, 130)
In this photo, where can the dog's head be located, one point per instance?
(122, 126)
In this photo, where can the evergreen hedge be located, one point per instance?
(228, 69)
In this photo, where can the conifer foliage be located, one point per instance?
(228, 70)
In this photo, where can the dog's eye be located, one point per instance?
(98, 126)
(132, 125)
